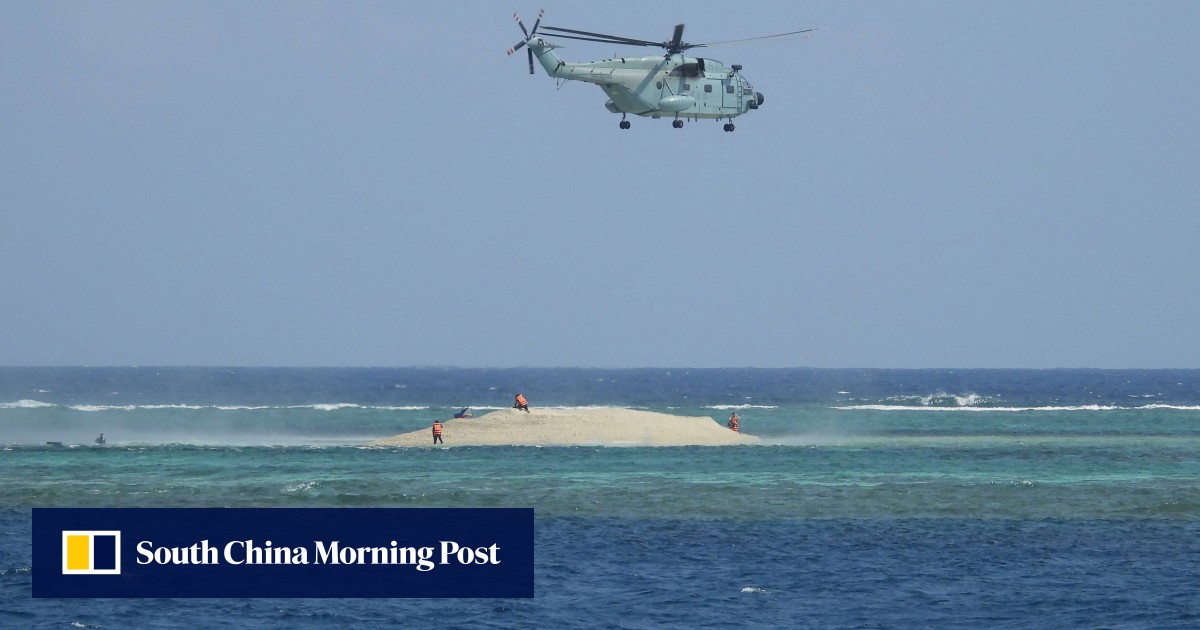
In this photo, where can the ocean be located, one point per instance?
(880, 499)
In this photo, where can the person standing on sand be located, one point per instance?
(521, 403)
(733, 422)
(437, 432)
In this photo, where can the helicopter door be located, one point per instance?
(731, 94)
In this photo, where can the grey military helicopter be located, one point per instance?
(672, 85)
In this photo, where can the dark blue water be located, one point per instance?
(648, 573)
(881, 499)
(642, 387)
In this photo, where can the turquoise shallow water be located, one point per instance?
(1020, 499)
(906, 477)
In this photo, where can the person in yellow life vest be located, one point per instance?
(521, 403)
(733, 422)
(437, 432)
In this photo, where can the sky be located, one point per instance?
(927, 184)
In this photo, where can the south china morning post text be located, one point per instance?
(237, 552)
(283, 552)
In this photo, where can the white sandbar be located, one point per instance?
(573, 427)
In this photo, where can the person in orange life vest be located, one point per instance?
(437, 432)
(733, 422)
(521, 403)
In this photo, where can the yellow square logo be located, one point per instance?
(91, 552)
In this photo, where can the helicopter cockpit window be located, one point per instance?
(689, 70)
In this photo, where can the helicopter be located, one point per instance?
(672, 85)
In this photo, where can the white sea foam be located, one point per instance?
(299, 487)
(33, 404)
(26, 404)
(328, 406)
(1014, 409)
(340, 406)
(103, 407)
(744, 406)
(943, 399)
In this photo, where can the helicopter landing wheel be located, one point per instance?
(678, 124)
(728, 126)
(624, 124)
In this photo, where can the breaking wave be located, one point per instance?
(35, 404)
(878, 407)
(26, 404)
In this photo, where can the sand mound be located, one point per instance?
(569, 427)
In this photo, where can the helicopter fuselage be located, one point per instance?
(672, 86)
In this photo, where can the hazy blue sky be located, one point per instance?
(928, 184)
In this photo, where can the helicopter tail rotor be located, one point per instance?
(529, 34)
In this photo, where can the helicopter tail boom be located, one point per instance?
(537, 47)
(544, 51)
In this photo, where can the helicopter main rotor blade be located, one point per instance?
(676, 39)
(610, 39)
(597, 39)
(750, 39)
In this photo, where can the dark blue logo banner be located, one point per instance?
(285, 552)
